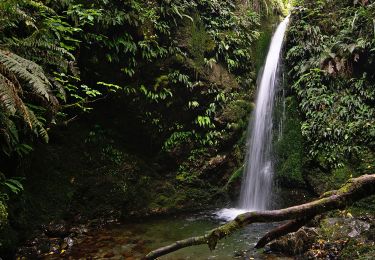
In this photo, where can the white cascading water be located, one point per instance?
(258, 172)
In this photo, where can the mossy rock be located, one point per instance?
(289, 147)
(237, 113)
(220, 76)
(358, 250)
(290, 172)
(357, 234)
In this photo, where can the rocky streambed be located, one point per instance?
(339, 237)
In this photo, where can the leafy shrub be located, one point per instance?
(330, 61)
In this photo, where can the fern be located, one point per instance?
(20, 78)
(28, 72)
(9, 98)
(37, 127)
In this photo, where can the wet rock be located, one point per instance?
(238, 254)
(109, 255)
(371, 232)
(295, 243)
(78, 230)
(37, 246)
(55, 245)
(67, 243)
(127, 254)
(27, 252)
(56, 229)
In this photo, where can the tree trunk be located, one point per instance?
(354, 190)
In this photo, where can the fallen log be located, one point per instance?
(352, 191)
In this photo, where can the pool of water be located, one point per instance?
(134, 240)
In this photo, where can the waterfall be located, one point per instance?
(258, 172)
(257, 181)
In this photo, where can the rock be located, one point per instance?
(337, 228)
(127, 254)
(79, 230)
(371, 232)
(40, 244)
(27, 252)
(358, 227)
(295, 243)
(220, 76)
(214, 163)
(55, 245)
(67, 243)
(109, 255)
(342, 238)
(56, 229)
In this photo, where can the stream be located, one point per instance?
(134, 240)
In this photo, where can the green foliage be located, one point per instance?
(36, 42)
(200, 42)
(236, 176)
(3, 214)
(21, 79)
(189, 171)
(179, 43)
(331, 61)
(8, 187)
(14, 186)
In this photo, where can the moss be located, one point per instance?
(236, 113)
(326, 181)
(341, 175)
(262, 45)
(358, 250)
(186, 198)
(364, 206)
(289, 148)
(291, 170)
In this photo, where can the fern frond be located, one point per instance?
(8, 133)
(29, 20)
(37, 41)
(10, 100)
(40, 6)
(11, 77)
(8, 96)
(37, 127)
(28, 72)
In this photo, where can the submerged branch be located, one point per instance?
(354, 190)
(291, 226)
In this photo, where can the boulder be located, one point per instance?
(295, 243)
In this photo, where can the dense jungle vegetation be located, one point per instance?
(126, 108)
